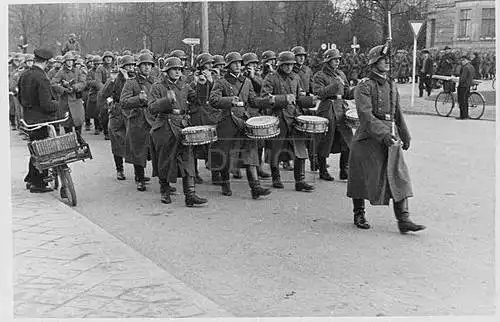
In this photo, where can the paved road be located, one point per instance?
(297, 254)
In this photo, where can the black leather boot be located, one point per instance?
(343, 165)
(299, 174)
(403, 216)
(225, 183)
(359, 214)
(165, 191)
(253, 181)
(216, 178)
(139, 177)
(190, 194)
(262, 174)
(323, 173)
(275, 174)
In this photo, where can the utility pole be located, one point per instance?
(204, 27)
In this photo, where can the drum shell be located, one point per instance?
(199, 135)
(263, 131)
(309, 125)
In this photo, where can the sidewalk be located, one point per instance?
(67, 267)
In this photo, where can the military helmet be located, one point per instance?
(331, 54)
(29, 57)
(127, 52)
(218, 60)
(68, 56)
(145, 58)
(97, 59)
(250, 58)
(172, 62)
(204, 58)
(375, 54)
(59, 59)
(268, 54)
(107, 53)
(146, 51)
(299, 50)
(179, 54)
(232, 57)
(127, 60)
(79, 61)
(286, 57)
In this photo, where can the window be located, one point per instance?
(488, 23)
(464, 26)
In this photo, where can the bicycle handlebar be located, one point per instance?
(32, 127)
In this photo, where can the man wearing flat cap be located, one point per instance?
(464, 83)
(425, 74)
(39, 105)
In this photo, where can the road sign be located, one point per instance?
(191, 41)
(355, 44)
(416, 25)
(323, 46)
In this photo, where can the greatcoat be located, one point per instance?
(369, 177)
(68, 102)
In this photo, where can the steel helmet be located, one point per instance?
(29, 57)
(97, 59)
(127, 52)
(79, 61)
(68, 56)
(331, 54)
(299, 50)
(146, 51)
(250, 58)
(172, 62)
(286, 57)
(268, 54)
(232, 57)
(59, 59)
(145, 58)
(107, 53)
(204, 58)
(179, 54)
(375, 54)
(127, 60)
(218, 60)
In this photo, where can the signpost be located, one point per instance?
(355, 44)
(144, 39)
(191, 42)
(328, 46)
(416, 25)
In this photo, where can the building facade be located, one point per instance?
(461, 24)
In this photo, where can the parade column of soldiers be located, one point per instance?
(142, 108)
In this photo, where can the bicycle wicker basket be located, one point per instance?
(56, 144)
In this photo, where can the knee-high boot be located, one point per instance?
(275, 174)
(254, 183)
(190, 193)
(299, 174)
(344, 165)
(323, 172)
(226, 186)
(359, 214)
(403, 216)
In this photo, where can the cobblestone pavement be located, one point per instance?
(67, 267)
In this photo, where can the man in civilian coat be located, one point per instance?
(464, 83)
(371, 177)
(39, 105)
(425, 74)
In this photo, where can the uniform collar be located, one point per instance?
(378, 77)
(231, 78)
(285, 75)
(327, 69)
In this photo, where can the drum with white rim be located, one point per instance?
(351, 118)
(311, 124)
(199, 135)
(262, 127)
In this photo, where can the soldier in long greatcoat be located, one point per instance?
(332, 87)
(282, 90)
(134, 99)
(234, 95)
(372, 174)
(168, 102)
(101, 76)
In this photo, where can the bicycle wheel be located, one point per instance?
(476, 104)
(444, 103)
(493, 83)
(54, 183)
(67, 186)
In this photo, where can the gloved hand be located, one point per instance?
(109, 100)
(406, 145)
(389, 140)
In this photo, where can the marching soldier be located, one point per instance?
(282, 91)
(117, 130)
(69, 83)
(134, 103)
(168, 102)
(332, 87)
(268, 62)
(102, 74)
(218, 66)
(235, 96)
(93, 87)
(250, 63)
(370, 175)
(58, 61)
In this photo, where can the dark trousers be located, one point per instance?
(34, 176)
(104, 120)
(139, 172)
(425, 83)
(463, 104)
(78, 131)
(118, 162)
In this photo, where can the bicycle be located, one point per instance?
(54, 154)
(445, 101)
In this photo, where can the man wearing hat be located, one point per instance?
(445, 68)
(464, 83)
(93, 87)
(39, 105)
(70, 45)
(102, 74)
(282, 91)
(332, 87)
(425, 73)
(371, 175)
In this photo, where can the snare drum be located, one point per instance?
(351, 118)
(262, 127)
(311, 124)
(198, 135)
